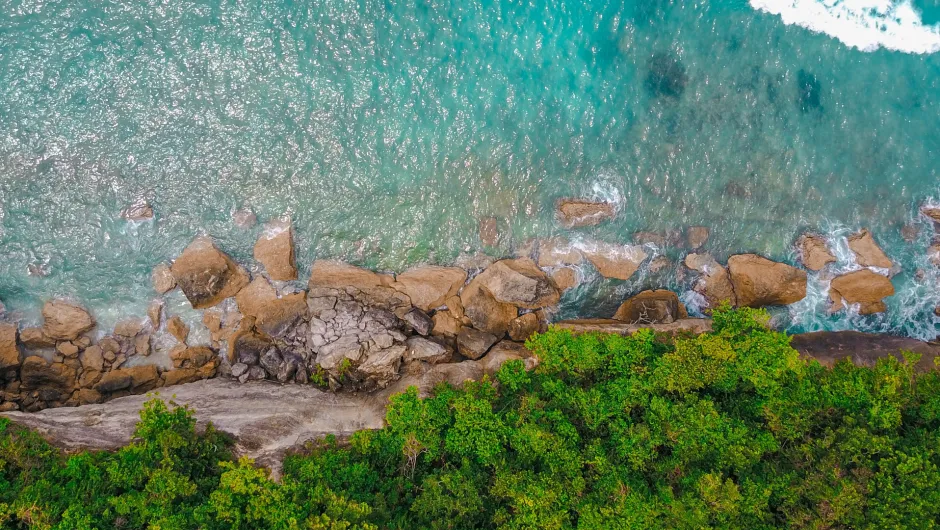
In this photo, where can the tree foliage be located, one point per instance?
(729, 429)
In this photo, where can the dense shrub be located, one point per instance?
(729, 429)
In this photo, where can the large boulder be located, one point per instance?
(523, 327)
(473, 343)
(275, 250)
(273, 315)
(485, 312)
(429, 286)
(338, 275)
(760, 282)
(867, 252)
(575, 213)
(519, 282)
(429, 351)
(863, 287)
(652, 307)
(207, 275)
(64, 320)
(136, 379)
(814, 253)
(615, 261)
(714, 282)
(53, 381)
(9, 352)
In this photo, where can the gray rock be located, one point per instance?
(271, 361)
(421, 349)
(419, 321)
(256, 373)
(239, 369)
(473, 343)
(346, 347)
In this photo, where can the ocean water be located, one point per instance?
(387, 130)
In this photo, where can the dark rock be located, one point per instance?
(809, 91)
(419, 321)
(863, 349)
(247, 347)
(56, 380)
(271, 360)
(652, 307)
(666, 76)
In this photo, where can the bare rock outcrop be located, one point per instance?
(207, 275)
(814, 253)
(760, 282)
(862, 287)
(275, 250)
(867, 252)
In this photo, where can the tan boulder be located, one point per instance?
(445, 324)
(176, 327)
(207, 275)
(485, 312)
(337, 275)
(35, 338)
(192, 357)
(67, 349)
(814, 253)
(275, 250)
(867, 252)
(557, 252)
(137, 379)
(575, 213)
(64, 320)
(154, 312)
(92, 359)
(715, 281)
(615, 261)
(188, 375)
(760, 282)
(862, 287)
(519, 282)
(429, 287)
(255, 297)
(129, 327)
(652, 307)
(522, 327)
(280, 315)
(162, 278)
(503, 352)
(9, 352)
(565, 278)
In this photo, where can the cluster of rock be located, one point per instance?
(59, 363)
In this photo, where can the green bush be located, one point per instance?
(729, 429)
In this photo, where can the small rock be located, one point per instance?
(271, 360)
(565, 278)
(652, 307)
(275, 250)
(419, 321)
(109, 345)
(576, 213)
(83, 341)
(67, 349)
(473, 343)
(130, 327)
(932, 212)
(445, 324)
(138, 211)
(238, 369)
(35, 338)
(255, 373)
(92, 359)
(154, 312)
(867, 252)
(162, 278)
(142, 344)
(814, 253)
(244, 218)
(760, 282)
(206, 275)
(489, 233)
(697, 236)
(910, 232)
(933, 254)
(64, 320)
(421, 349)
(176, 327)
(862, 287)
(521, 328)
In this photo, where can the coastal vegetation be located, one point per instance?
(725, 429)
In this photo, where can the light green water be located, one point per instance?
(387, 130)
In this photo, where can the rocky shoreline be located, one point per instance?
(353, 329)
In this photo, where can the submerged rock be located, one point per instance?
(867, 252)
(244, 218)
(697, 236)
(814, 253)
(809, 91)
(557, 252)
(275, 250)
(862, 287)
(489, 232)
(760, 282)
(65, 320)
(207, 275)
(138, 211)
(565, 278)
(615, 261)
(932, 212)
(577, 213)
(652, 307)
(666, 76)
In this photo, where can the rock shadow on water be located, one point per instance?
(809, 92)
(666, 76)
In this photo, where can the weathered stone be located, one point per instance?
(814, 253)
(64, 320)
(862, 287)
(273, 315)
(162, 278)
(55, 380)
(522, 327)
(271, 360)
(139, 210)
(382, 366)
(489, 232)
(505, 351)
(154, 312)
(129, 327)
(659, 263)
(192, 357)
(109, 345)
(519, 282)
(484, 311)
(247, 347)
(557, 252)
(253, 298)
(35, 338)
(142, 344)
(759, 282)
(207, 275)
(86, 396)
(275, 250)
(863, 349)
(176, 327)
(575, 213)
(429, 287)
(695, 326)
(244, 218)
(89, 378)
(565, 278)
(238, 369)
(67, 349)
(346, 347)
(696, 236)
(137, 379)
(473, 343)
(445, 324)
(421, 349)
(932, 212)
(338, 275)
(933, 254)
(92, 358)
(867, 252)
(419, 321)
(910, 232)
(652, 307)
(181, 376)
(9, 352)
(83, 341)
(615, 261)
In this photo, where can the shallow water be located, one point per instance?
(386, 130)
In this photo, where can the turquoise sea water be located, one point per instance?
(386, 130)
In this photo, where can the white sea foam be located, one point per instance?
(863, 24)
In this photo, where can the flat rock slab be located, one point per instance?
(266, 419)
(606, 325)
(863, 349)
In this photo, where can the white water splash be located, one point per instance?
(864, 24)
